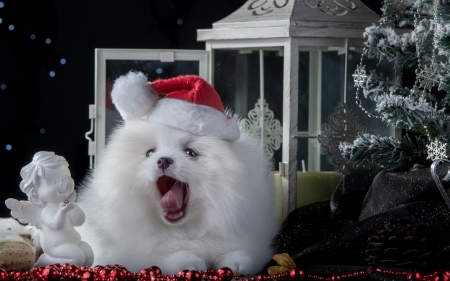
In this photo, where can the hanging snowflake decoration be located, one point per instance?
(359, 76)
(437, 150)
(261, 123)
(344, 126)
(427, 78)
(394, 11)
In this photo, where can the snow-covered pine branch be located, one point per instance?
(387, 152)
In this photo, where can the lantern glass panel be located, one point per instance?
(154, 69)
(243, 77)
(321, 93)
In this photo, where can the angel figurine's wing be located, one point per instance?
(25, 212)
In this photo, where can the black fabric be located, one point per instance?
(336, 232)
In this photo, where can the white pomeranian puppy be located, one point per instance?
(167, 196)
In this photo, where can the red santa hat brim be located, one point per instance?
(195, 118)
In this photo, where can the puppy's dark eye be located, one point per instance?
(191, 152)
(150, 152)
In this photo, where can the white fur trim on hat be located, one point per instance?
(132, 96)
(195, 118)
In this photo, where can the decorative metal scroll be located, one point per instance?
(336, 9)
(269, 126)
(263, 7)
(344, 126)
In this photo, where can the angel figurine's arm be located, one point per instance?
(58, 220)
(77, 216)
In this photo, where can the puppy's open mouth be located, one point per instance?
(174, 197)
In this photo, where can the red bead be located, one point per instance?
(36, 272)
(89, 275)
(417, 275)
(97, 268)
(146, 274)
(156, 270)
(50, 274)
(117, 274)
(262, 277)
(226, 273)
(182, 273)
(193, 275)
(104, 272)
(296, 274)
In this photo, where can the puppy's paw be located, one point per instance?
(240, 262)
(178, 261)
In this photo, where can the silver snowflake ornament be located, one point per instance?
(344, 126)
(359, 76)
(261, 122)
(427, 78)
(436, 150)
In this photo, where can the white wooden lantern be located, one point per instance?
(314, 40)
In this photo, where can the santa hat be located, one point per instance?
(186, 102)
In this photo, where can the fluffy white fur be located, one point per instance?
(229, 220)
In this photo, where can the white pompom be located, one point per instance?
(132, 95)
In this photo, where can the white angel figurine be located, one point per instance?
(51, 208)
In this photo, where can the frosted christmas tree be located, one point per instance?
(420, 42)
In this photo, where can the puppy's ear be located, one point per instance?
(133, 96)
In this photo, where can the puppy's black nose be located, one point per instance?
(164, 163)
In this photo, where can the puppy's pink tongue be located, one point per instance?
(173, 199)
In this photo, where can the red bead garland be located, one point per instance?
(118, 272)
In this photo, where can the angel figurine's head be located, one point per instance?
(47, 179)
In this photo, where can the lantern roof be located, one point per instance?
(293, 18)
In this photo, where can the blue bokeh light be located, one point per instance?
(3, 86)
(1, 20)
(52, 73)
(179, 21)
(63, 61)
(8, 147)
(42, 131)
(32, 36)
(159, 70)
(11, 27)
(48, 41)
(2, 4)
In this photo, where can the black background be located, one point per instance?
(32, 100)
